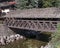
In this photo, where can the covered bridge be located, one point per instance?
(43, 19)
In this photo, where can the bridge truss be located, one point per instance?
(36, 25)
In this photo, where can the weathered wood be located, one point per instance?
(52, 12)
(37, 25)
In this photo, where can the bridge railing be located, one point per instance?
(37, 25)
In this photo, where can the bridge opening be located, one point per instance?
(30, 34)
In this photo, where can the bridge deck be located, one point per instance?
(35, 13)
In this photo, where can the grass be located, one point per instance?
(47, 33)
(29, 43)
(16, 44)
(33, 43)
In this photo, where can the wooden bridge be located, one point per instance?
(44, 20)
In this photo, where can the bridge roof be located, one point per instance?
(35, 13)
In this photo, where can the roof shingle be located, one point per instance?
(36, 13)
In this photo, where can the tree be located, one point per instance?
(23, 4)
(40, 3)
(47, 3)
(57, 4)
(26, 4)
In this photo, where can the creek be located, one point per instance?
(34, 36)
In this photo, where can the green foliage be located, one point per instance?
(57, 45)
(47, 3)
(34, 43)
(57, 3)
(56, 38)
(40, 3)
(29, 43)
(16, 44)
(23, 4)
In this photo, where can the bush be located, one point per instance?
(24, 4)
